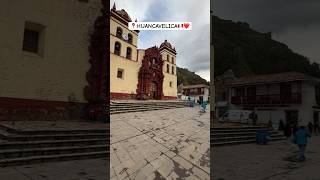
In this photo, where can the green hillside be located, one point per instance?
(189, 78)
(248, 52)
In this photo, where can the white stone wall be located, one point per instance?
(305, 109)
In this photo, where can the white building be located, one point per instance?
(199, 92)
(292, 97)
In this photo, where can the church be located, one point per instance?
(142, 74)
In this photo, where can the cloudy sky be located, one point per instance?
(293, 22)
(193, 47)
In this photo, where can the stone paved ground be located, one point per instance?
(92, 169)
(163, 144)
(276, 161)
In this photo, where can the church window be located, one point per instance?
(33, 37)
(167, 57)
(172, 59)
(170, 83)
(120, 73)
(129, 38)
(119, 32)
(168, 68)
(172, 69)
(129, 52)
(154, 61)
(117, 48)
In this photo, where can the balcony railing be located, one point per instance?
(294, 98)
(193, 93)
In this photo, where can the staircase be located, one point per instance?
(239, 135)
(19, 147)
(126, 107)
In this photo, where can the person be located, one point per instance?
(310, 127)
(203, 106)
(295, 128)
(301, 139)
(287, 130)
(254, 117)
(316, 127)
(281, 126)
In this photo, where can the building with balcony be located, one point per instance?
(291, 96)
(199, 92)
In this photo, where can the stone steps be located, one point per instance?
(228, 143)
(240, 138)
(52, 158)
(52, 143)
(16, 153)
(126, 107)
(239, 135)
(47, 132)
(19, 147)
(216, 135)
(43, 137)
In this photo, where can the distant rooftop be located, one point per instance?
(195, 86)
(272, 78)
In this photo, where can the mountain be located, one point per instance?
(189, 78)
(249, 52)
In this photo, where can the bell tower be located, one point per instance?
(169, 53)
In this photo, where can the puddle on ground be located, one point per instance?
(205, 159)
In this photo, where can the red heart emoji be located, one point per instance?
(186, 25)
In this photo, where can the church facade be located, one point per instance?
(139, 73)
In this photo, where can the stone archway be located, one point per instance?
(150, 80)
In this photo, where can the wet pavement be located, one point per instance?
(275, 161)
(163, 144)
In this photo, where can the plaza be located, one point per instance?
(275, 161)
(162, 144)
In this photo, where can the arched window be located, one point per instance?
(168, 68)
(129, 52)
(117, 48)
(172, 69)
(167, 57)
(154, 61)
(172, 59)
(129, 38)
(119, 32)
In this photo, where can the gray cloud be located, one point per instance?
(294, 22)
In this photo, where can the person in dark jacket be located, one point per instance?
(295, 128)
(316, 127)
(310, 127)
(301, 139)
(287, 130)
(281, 125)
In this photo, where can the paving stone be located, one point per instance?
(162, 135)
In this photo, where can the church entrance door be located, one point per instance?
(154, 90)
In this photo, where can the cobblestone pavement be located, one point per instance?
(275, 161)
(163, 144)
(92, 169)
